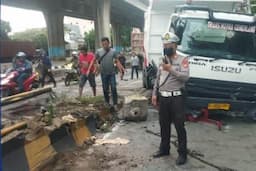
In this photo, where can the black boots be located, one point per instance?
(160, 154)
(182, 159)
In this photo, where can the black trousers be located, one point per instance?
(47, 73)
(171, 110)
(135, 68)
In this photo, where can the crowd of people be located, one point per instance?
(106, 62)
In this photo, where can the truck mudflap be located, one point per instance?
(149, 76)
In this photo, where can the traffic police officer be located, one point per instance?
(168, 93)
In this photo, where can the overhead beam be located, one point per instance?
(141, 4)
(126, 21)
(121, 10)
(134, 18)
(39, 5)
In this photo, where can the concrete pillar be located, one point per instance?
(102, 20)
(55, 29)
(97, 34)
(116, 36)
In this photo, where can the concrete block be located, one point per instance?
(135, 108)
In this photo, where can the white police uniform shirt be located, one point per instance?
(179, 74)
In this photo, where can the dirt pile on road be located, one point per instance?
(63, 110)
(93, 159)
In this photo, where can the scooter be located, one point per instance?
(9, 87)
(71, 74)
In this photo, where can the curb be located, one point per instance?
(33, 155)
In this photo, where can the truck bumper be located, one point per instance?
(237, 106)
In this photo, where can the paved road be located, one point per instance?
(123, 87)
(234, 147)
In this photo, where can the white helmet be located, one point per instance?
(74, 53)
(21, 55)
(40, 52)
(169, 37)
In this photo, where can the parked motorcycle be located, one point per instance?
(71, 74)
(8, 85)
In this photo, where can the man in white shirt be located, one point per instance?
(135, 64)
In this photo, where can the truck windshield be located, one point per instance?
(199, 39)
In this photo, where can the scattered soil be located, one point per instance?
(93, 157)
(61, 107)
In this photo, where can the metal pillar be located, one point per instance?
(102, 21)
(55, 29)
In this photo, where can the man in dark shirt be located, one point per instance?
(46, 69)
(107, 59)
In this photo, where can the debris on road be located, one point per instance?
(59, 122)
(134, 108)
(119, 141)
(12, 128)
(69, 118)
(62, 110)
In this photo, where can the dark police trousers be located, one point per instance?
(171, 110)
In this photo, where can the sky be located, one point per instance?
(22, 19)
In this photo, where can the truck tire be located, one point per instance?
(144, 79)
(147, 82)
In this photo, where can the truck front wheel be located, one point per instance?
(146, 81)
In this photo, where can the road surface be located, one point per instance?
(234, 147)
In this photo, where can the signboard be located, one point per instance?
(232, 27)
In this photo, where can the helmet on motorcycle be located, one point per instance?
(40, 52)
(21, 56)
(74, 53)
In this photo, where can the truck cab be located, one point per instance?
(221, 47)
